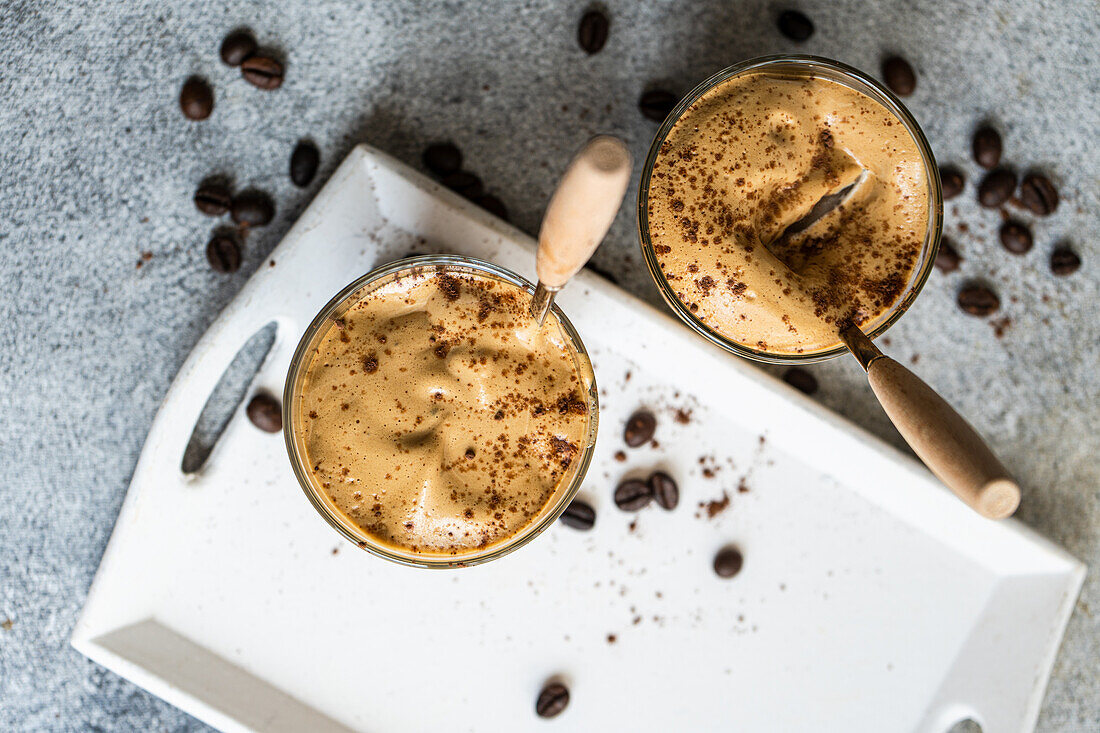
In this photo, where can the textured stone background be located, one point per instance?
(98, 166)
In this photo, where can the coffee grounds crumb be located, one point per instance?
(683, 415)
(335, 550)
(620, 456)
(1000, 326)
(611, 638)
(715, 507)
(742, 486)
(7, 624)
(633, 525)
(370, 363)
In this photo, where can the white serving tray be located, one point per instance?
(871, 599)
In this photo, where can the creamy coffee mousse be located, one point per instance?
(439, 418)
(735, 191)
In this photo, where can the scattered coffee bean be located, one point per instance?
(978, 300)
(213, 199)
(728, 562)
(657, 103)
(639, 428)
(464, 184)
(264, 412)
(196, 99)
(947, 259)
(237, 47)
(987, 147)
(254, 208)
(552, 700)
(224, 253)
(303, 163)
(899, 76)
(442, 158)
(1064, 261)
(1016, 237)
(579, 515)
(952, 182)
(1038, 194)
(263, 72)
(795, 26)
(996, 188)
(665, 490)
(592, 31)
(801, 380)
(633, 494)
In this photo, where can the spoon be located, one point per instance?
(580, 212)
(951, 449)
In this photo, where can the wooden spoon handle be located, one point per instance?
(582, 209)
(946, 443)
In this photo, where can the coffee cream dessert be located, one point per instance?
(438, 417)
(759, 153)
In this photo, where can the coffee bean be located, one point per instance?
(442, 158)
(728, 562)
(196, 99)
(263, 72)
(987, 147)
(639, 428)
(665, 490)
(592, 31)
(237, 47)
(1064, 261)
(947, 259)
(657, 103)
(996, 188)
(801, 380)
(978, 300)
(579, 515)
(464, 184)
(552, 700)
(213, 199)
(264, 412)
(254, 208)
(899, 76)
(632, 495)
(1038, 194)
(795, 26)
(224, 253)
(493, 205)
(951, 182)
(1016, 237)
(303, 163)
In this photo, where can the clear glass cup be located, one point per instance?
(799, 66)
(292, 417)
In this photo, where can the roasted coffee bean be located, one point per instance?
(633, 494)
(552, 700)
(1016, 237)
(665, 490)
(579, 515)
(728, 562)
(224, 253)
(213, 199)
(1038, 194)
(442, 158)
(237, 47)
(801, 380)
(263, 72)
(1064, 261)
(464, 184)
(639, 428)
(264, 412)
(795, 26)
(899, 76)
(592, 31)
(657, 103)
(952, 182)
(303, 163)
(987, 147)
(996, 188)
(196, 99)
(978, 300)
(493, 205)
(947, 259)
(254, 208)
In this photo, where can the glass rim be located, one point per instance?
(864, 83)
(343, 524)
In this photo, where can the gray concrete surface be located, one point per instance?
(98, 166)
